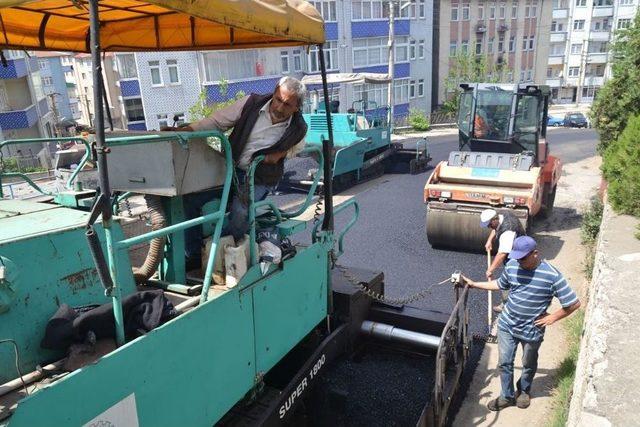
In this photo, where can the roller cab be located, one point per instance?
(503, 163)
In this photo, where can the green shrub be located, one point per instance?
(621, 168)
(591, 220)
(418, 120)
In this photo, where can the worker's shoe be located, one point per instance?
(498, 308)
(500, 403)
(523, 400)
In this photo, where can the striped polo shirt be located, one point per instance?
(530, 294)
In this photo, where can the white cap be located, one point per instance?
(486, 216)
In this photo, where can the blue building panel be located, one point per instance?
(401, 110)
(19, 119)
(331, 31)
(362, 29)
(15, 69)
(261, 86)
(400, 71)
(130, 88)
(43, 104)
(137, 126)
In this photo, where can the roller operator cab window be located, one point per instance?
(493, 109)
(528, 117)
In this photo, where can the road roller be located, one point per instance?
(503, 162)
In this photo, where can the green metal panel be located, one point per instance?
(19, 207)
(52, 267)
(350, 158)
(173, 266)
(187, 372)
(289, 305)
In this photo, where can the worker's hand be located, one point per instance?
(545, 319)
(468, 281)
(489, 274)
(274, 158)
(488, 246)
(185, 128)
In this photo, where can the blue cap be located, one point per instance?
(522, 246)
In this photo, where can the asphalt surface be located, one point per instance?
(390, 236)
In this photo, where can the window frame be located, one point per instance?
(159, 69)
(284, 59)
(175, 65)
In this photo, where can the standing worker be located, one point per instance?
(532, 283)
(505, 227)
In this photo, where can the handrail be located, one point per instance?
(314, 185)
(73, 176)
(351, 223)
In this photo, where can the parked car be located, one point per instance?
(555, 121)
(575, 120)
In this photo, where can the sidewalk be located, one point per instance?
(559, 241)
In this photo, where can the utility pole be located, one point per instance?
(54, 109)
(391, 45)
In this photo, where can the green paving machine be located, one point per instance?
(169, 347)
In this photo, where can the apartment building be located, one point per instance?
(513, 34)
(580, 41)
(24, 109)
(158, 87)
(56, 71)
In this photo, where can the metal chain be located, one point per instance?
(381, 298)
(127, 205)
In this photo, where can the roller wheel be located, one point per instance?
(460, 231)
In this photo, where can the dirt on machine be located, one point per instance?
(503, 162)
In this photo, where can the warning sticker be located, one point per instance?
(122, 414)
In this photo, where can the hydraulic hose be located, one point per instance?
(156, 246)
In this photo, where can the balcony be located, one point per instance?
(597, 58)
(560, 13)
(481, 27)
(602, 11)
(555, 82)
(502, 28)
(558, 37)
(19, 119)
(594, 81)
(15, 69)
(599, 36)
(556, 59)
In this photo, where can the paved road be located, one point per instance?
(390, 234)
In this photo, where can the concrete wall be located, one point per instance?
(607, 387)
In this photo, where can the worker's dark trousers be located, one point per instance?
(507, 346)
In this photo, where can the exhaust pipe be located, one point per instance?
(156, 246)
(393, 334)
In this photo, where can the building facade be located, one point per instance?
(158, 87)
(24, 108)
(56, 71)
(511, 34)
(580, 41)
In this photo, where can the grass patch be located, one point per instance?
(589, 230)
(567, 370)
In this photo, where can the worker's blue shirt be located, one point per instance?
(530, 293)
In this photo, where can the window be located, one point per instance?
(501, 44)
(465, 12)
(421, 87)
(525, 40)
(514, 11)
(401, 48)
(559, 4)
(240, 64)
(454, 13)
(464, 47)
(421, 48)
(84, 76)
(422, 9)
(412, 89)
(510, 76)
(557, 26)
(532, 42)
(453, 47)
(502, 11)
(162, 121)
(556, 49)
(581, 3)
(529, 75)
(412, 49)
(574, 71)
(602, 3)
(576, 48)
(623, 23)
(480, 12)
(626, 2)
(297, 60)
(578, 24)
(490, 45)
(378, 93)
(526, 11)
(407, 12)
(366, 10)
(534, 12)
(330, 57)
(589, 92)
(549, 72)
(598, 47)
(327, 9)
(156, 76)
(43, 64)
(47, 81)
(126, 64)
(522, 75)
(478, 47)
(492, 12)
(284, 60)
(174, 72)
(134, 110)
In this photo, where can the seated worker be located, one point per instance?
(269, 125)
(481, 128)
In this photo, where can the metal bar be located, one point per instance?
(327, 149)
(391, 333)
(339, 209)
(164, 136)
(314, 185)
(27, 180)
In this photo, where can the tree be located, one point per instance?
(619, 98)
(203, 108)
(469, 68)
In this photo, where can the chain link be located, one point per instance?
(379, 297)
